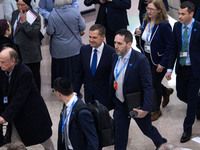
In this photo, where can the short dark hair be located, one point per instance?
(100, 28)
(128, 37)
(63, 85)
(189, 5)
(3, 26)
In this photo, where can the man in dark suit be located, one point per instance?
(26, 108)
(96, 85)
(113, 16)
(72, 133)
(131, 73)
(25, 34)
(184, 50)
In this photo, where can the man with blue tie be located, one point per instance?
(95, 67)
(131, 73)
(185, 51)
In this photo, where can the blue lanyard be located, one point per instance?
(64, 121)
(120, 70)
(183, 42)
(148, 33)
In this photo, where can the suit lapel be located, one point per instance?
(101, 61)
(87, 56)
(130, 64)
(193, 32)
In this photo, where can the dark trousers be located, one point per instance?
(159, 88)
(64, 67)
(122, 122)
(35, 68)
(187, 87)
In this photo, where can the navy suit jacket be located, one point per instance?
(194, 48)
(82, 136)
(99, 84)
(137, 78)
(116, 14)
(160, 41)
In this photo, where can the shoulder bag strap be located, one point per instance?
(68, 27)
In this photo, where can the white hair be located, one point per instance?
(59, 3)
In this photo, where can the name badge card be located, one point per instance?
(183, 54)
(5, 100)
(147, 47)
(115, 84)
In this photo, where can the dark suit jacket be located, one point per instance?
(137, 78)
(116, 14)
(161, 38)
(26, 107)
(99, 84)
(83, 136)
(27, 38)
(176, 45)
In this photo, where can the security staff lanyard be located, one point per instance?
(183, 43)
(117, 73)
(147, 44)
(64, 121)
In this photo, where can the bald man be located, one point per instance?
(26, 108)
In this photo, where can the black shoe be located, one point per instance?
(186, 136)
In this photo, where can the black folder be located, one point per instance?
(134, 100)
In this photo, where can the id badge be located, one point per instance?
(115, 84)
(5, 100)
(183, 54)
(147, 47)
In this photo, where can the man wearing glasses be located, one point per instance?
(26, 26)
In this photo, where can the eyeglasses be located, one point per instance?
(150, 9)
(22, 5)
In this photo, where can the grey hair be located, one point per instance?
(59, 3)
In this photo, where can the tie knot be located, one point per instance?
(95, 50)
(185, 27)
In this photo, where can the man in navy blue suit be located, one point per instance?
(113, 16)
(185, 51)
(74, 134)
(96, 85)
(131, 73)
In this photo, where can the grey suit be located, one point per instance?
(27, 38)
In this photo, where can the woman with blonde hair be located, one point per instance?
(155, 36)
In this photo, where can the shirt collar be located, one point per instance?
(74, 98)
(100, 48)
(189, 25)
(127, 55)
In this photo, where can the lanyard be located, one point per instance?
(120, 70)
(148, 33)
(183, 42)
(64, 121)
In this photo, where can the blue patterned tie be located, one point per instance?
(94, 63)
(184, 46)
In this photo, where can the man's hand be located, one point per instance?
(159, 68)
(141, 113)
(22, 16)
(168, 75)
(2, 120)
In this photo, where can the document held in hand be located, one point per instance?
(30, 17)
(134, 100)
